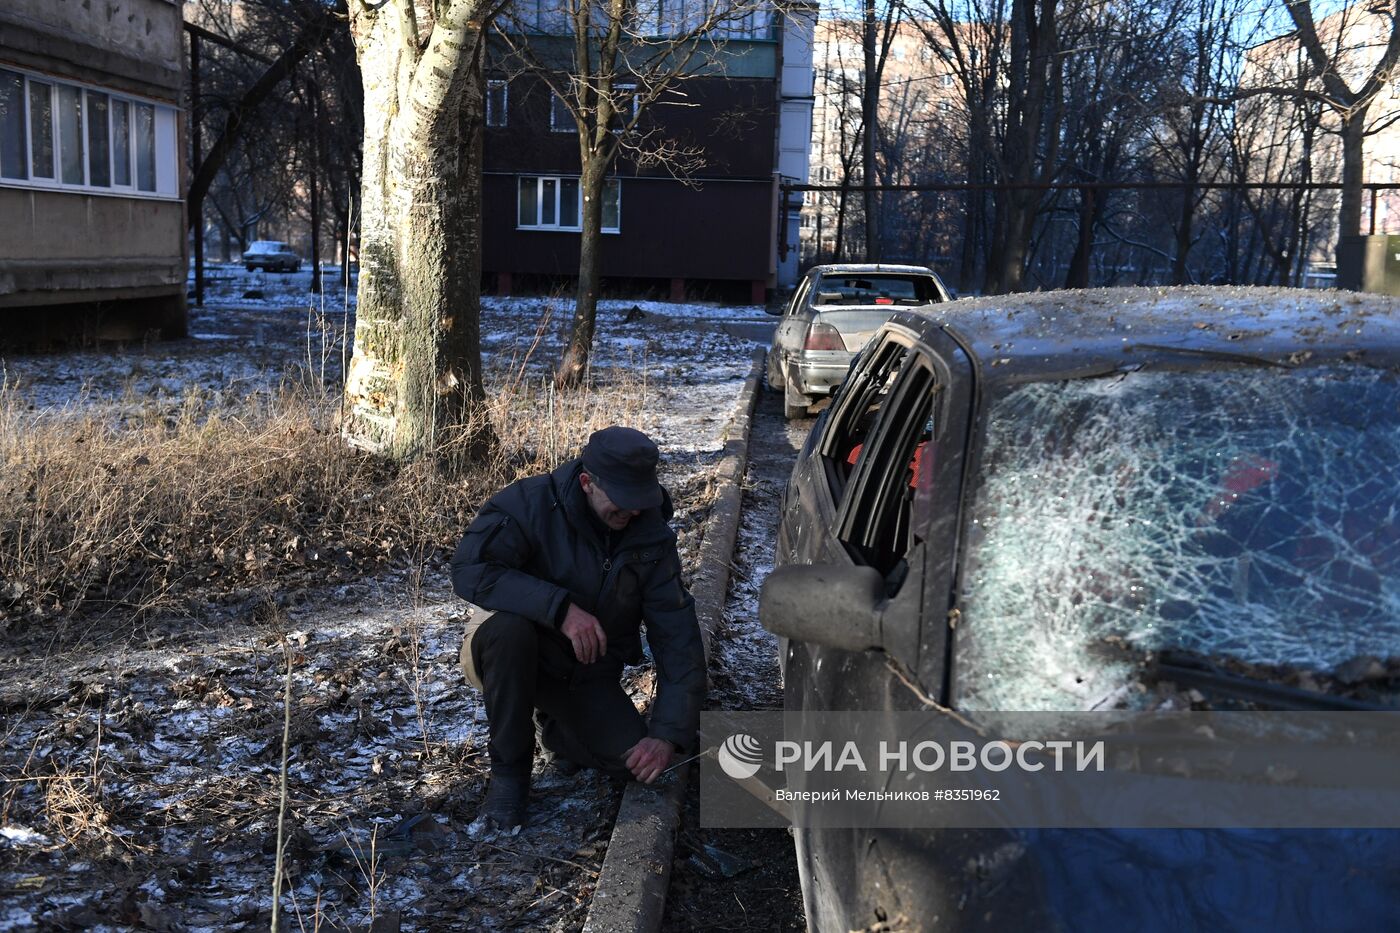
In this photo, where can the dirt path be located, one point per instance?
(744, 879)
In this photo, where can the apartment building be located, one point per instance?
(91, 170)
(719, 231)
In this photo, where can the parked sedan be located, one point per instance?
(1095, 500)
(833, 312)
(272, 256)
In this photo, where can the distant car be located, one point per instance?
(1106, 499)
(833, 312)
(272, 256)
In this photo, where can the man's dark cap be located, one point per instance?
(623, 461)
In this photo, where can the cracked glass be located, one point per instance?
(1245, 515)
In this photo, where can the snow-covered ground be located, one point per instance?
(138, 782)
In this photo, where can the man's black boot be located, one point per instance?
(503, 807)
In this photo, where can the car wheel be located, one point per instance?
(795, 404)
(251, 268)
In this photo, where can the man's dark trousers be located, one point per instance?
(587, 716)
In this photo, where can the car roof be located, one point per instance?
(842, 268)
(1044, 336)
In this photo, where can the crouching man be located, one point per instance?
(561, 570)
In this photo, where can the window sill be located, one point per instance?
(130, 193)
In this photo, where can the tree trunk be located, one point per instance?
(1029, 89)
(415, 387)
(1077, 276)
(839, 248)
(1180, 275)
(1353, 171)
(870, 116)
(574, 365)
(967, 262)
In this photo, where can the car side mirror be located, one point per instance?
(839, 607)
(775, 311)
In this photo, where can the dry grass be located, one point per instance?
(140, 507)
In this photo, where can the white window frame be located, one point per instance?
(502, 118)
(167, 155)
(558, 181)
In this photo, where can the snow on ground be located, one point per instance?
(139, 782)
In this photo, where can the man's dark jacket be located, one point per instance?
(533, 545)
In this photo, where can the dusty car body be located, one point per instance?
(834, 310)
(1212, 471)
(271, 256)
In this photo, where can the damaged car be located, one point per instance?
(1117, 499)
(832, 314)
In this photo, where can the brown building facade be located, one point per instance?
(717, 233)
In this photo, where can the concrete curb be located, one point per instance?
(631, 891)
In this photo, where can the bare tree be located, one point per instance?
(842, 79)
(628, 57)
(1006, 55)
(415, 383)
(879, 21)
(1353, 55)
(312, 22)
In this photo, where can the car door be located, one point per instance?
(879, 488)
(878, 485)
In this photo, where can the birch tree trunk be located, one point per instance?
(414, 386)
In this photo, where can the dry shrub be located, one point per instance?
(140, 506)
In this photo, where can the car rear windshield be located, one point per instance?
(1245, 516)
(267, 246)
(877, 289)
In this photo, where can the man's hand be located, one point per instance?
(585, 634)
(648, 758)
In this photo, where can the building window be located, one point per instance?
(13, 161)
(41, 128)
(560, 119)
(625, 100)
(60, 135)
(496, 100)
(121, 143)
(556, 203)
(947, 79)
(682, 17)
(98, 140)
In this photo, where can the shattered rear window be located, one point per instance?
(1248, 515)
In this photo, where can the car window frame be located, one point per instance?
(879, 475)
(852, 402)
(800, 296)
